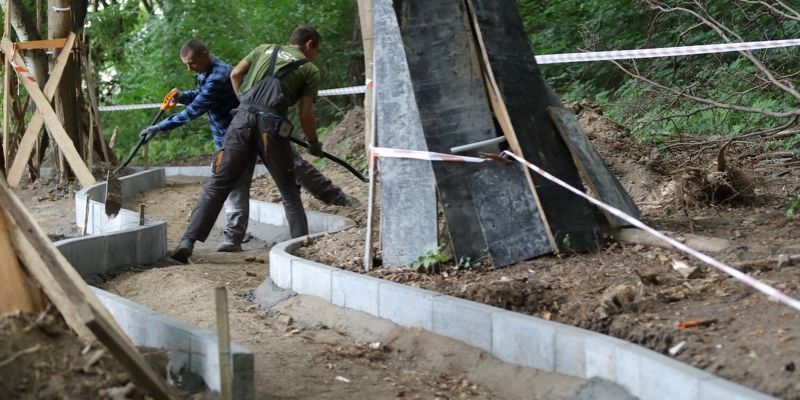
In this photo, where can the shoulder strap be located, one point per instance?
(273, 58)
(290, 67)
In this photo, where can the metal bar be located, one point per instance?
(477, 145)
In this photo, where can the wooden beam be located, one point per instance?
(408, 189)
(6, 91)
(141, 372)
(25, 148)
(602, 181)
(367, 40)
(42, 44)
(503, 117)
(54, 273)
(51, 121)
(16, 294)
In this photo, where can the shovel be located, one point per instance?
(113, 186)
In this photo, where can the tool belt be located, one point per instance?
(270, 123)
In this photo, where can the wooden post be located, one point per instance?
(141, 214)
(6, 92)
(367, 40)
(224, 338)
(16, 293)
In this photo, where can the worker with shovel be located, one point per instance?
(215, 96)
(270, 79)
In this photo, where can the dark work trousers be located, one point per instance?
(318, 185)
(239, 155)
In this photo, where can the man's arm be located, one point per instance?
(307, 118)
(202, 102)
(186, 96)
(237, 75)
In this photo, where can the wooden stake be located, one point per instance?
(15, 292)
(6, 92)
(373, 137)
(86, 213)
(141, 214)
(367, 40)
(88, 67)
(224, 338)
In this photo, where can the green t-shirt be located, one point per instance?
(301, 82)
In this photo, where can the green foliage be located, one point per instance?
(429, 262)
(137, 61)
(572, 25)
(792, 207)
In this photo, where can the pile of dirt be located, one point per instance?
(346, 140)
(41, 359)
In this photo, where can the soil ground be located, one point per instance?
(752, 340)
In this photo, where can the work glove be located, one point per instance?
(147, 133)
(315, 148)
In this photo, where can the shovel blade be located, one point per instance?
(113, 195)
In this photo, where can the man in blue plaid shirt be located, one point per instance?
(216, 97)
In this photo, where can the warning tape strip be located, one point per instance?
(568, 58)
(322, 93)
(21, 70)
(741, 276)
(665, 51)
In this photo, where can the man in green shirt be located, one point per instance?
(268, 82)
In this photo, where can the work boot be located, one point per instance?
(183, 251)
(229, 247)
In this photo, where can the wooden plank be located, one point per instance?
(53, 125)
(574, 223)
(42, 44)
(506, 212)
(455, 110)
(367, 40)
(141, 372)
(224, 344)
(504, 119)
(37, 121)
(16, 294)
(6, 94)
(53, 273)
(408, 191)
(605, 185)
(448, 85)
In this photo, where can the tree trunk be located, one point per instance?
(60, 25)
(24, 24)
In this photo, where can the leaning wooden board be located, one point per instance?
(454, 110)
(408, 190)
(602, 181)
(574, 223)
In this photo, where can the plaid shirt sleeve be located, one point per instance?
(210, 93)
(187, 96)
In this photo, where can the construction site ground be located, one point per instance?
(307, 349)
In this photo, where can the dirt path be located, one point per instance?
(304, 344)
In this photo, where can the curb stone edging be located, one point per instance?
(511, 337)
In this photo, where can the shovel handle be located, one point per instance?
(334, 159)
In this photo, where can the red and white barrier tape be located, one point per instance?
(322, 93)
(21, 70)
(744, 278)
(384, 152)
(664, 51)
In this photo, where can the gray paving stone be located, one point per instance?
(355, 291)
(405, 305)
(601, 356)
(121, 249)
(570, 350)
(523, 340)
(715, 388)
(280, 268)
(86, 254)
(661, 377)
(463, 320)
(312, 278)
